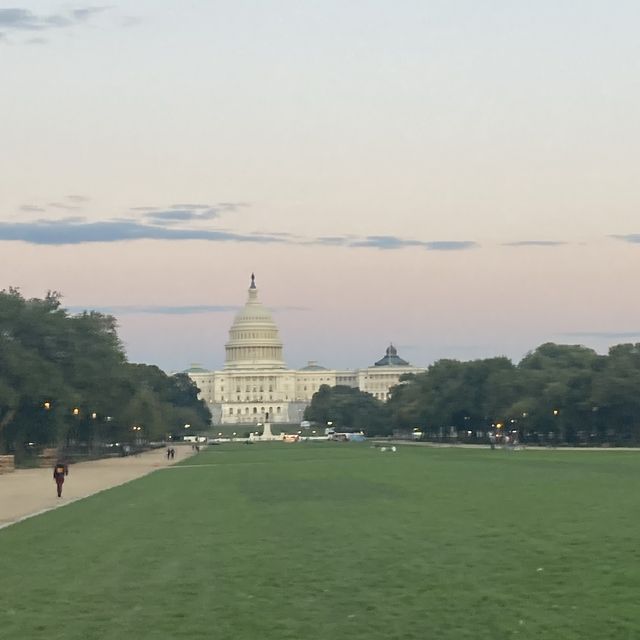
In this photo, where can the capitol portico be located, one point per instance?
(255, 383)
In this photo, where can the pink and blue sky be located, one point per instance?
(459, 177)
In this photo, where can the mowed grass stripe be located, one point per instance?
(347, 542)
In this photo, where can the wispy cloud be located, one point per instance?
(19, 19)
(182, 215)
(535, 243)
(633, 238)
(188, 212)
(16, 23)
(613, 335)
(78, 199)
(190, 206)
(164, 225)
(332, 241)
(169, 310)
(30, 208)
(393, 242)
(63, 205)
(177, 310)
(451, 245)
(78, 231)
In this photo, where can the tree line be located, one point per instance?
(65, 380)
(555, 394)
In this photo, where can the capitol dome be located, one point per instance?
(254, 342)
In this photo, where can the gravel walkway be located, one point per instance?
(29, 492)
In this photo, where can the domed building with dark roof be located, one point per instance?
(255, 384)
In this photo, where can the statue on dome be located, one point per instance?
(253, 281)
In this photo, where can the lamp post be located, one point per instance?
(556, 426)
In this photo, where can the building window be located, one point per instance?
(230, 411)
(255, 409)
(278, 409)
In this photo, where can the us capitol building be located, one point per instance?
(255, 383)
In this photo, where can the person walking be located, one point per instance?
(60, 472)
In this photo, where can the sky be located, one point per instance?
(460, 178)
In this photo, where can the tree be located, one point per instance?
(348, 408)
(65, 379)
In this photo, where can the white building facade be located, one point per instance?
(255, 384)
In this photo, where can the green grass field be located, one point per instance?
(332, 541)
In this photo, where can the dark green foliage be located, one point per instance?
(557, 393)
(348, 408)
(52, 363)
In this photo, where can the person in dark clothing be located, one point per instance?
(60, 471)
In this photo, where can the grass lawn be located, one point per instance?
(331, 541)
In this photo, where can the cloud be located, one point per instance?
(451, 245)
(18, 19)
(535, 243)
(75, 198)
(179, 310)
(170, 310)
(130, 21)
(190, 206)
(83, 14)
(185, 212)
(331, 241)
(30, 208)
(77, 231)
(613, 335)
(63, 205)
(181, 215)
(633, 238)
(393, 242)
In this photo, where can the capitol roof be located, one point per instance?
(313, 366)
(391, 359)
(196, 368)
(253, 342)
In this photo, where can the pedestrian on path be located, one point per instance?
(60, 471)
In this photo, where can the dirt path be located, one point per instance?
(28, 492)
